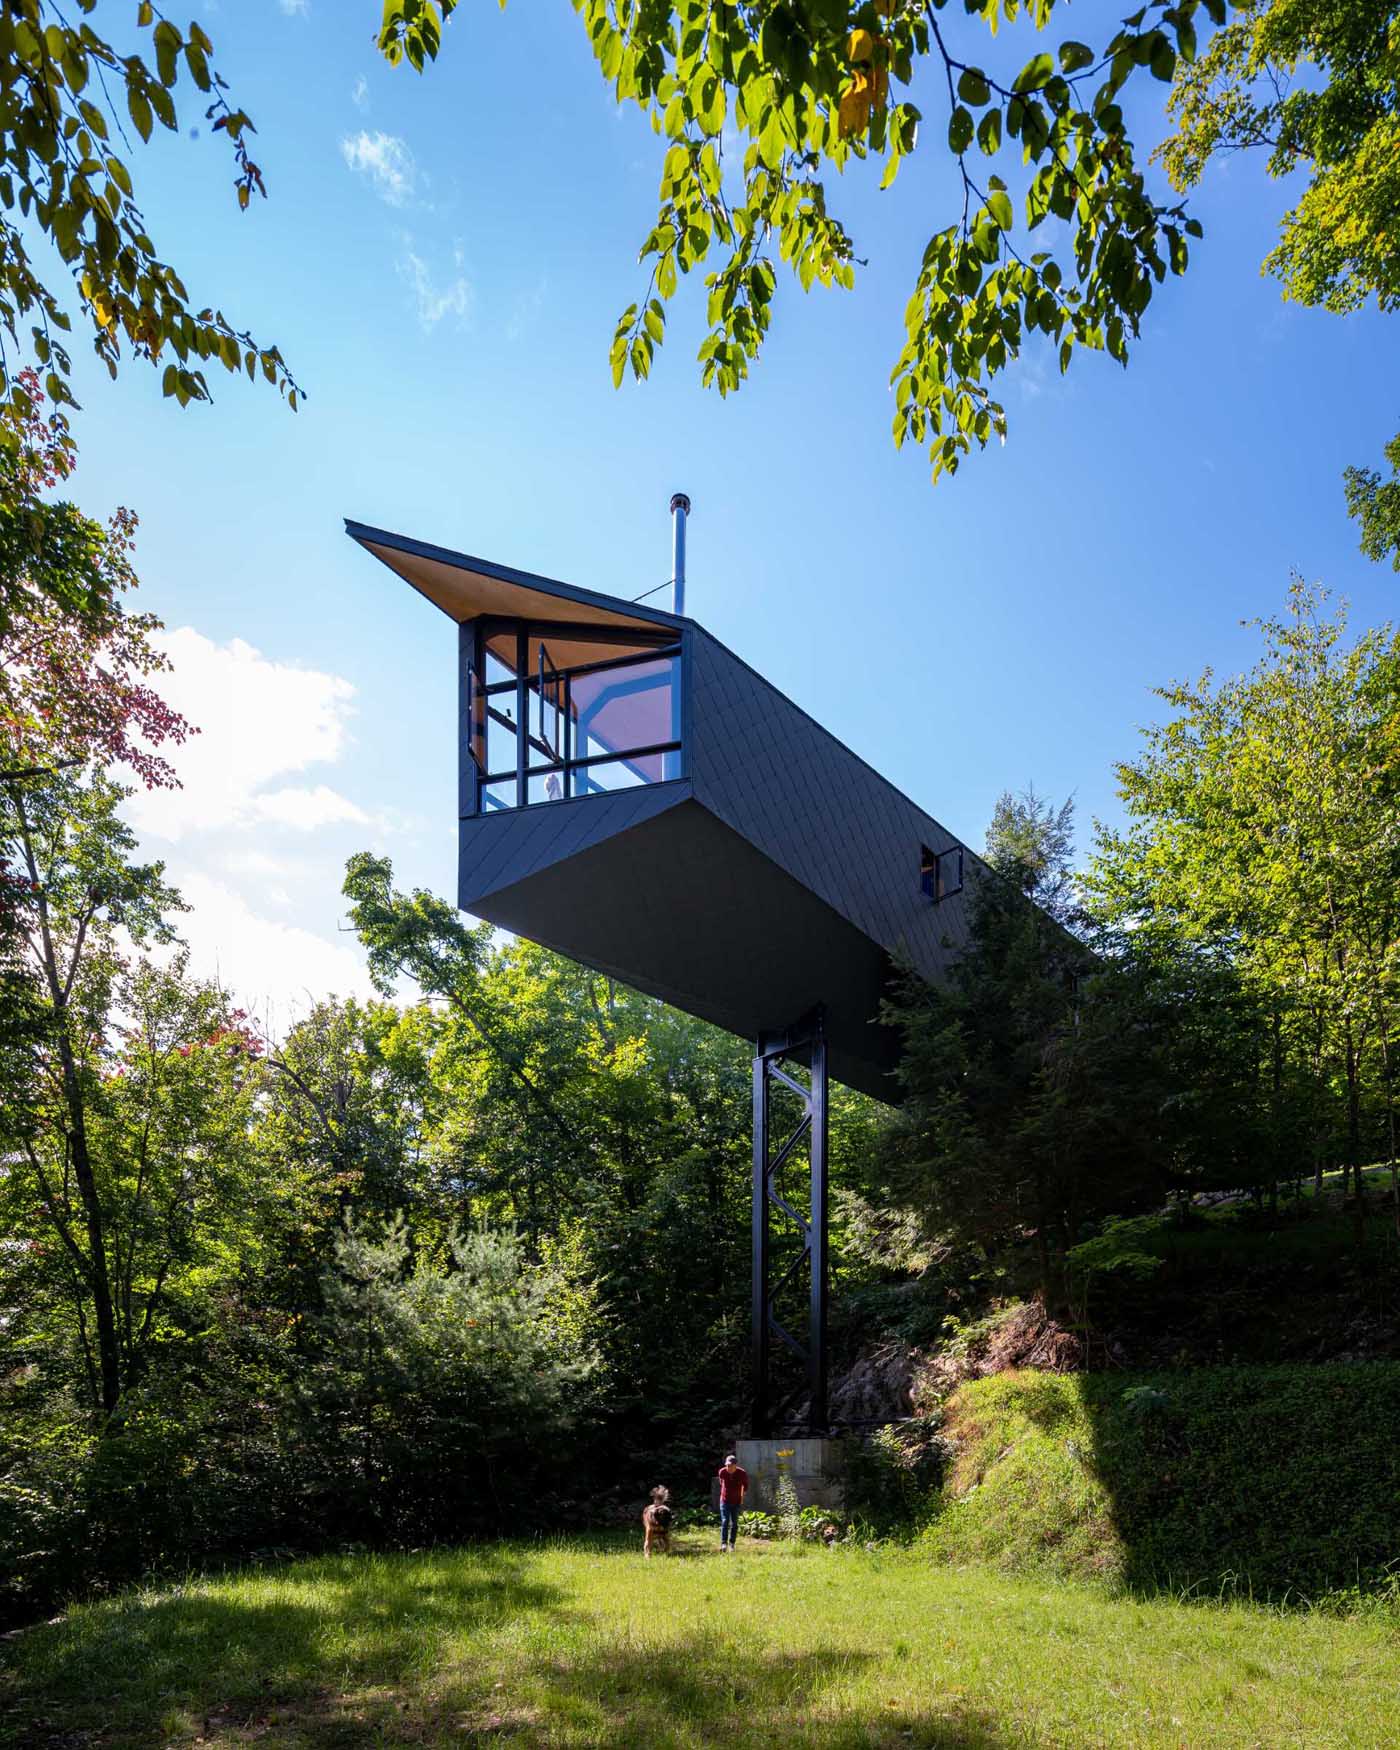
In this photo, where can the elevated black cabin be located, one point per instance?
(633, 795)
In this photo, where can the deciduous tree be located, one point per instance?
(125, 1103)
(824, 86)
(68, 96)
(75, 665)
(1262, 830)
(1316, 84)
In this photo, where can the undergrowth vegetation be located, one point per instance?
(1276, 1483)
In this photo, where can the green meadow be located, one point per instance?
(583, 1643)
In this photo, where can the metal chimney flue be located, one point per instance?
(680, 510)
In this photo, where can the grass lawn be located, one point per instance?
(583, 1643)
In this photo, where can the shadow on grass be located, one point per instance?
(335, 1655)
(150, 1670)
(709, 1690)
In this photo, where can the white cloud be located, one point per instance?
(258, 720)
(295, 8)
(276, 970)
(434, 300)
(307, 810)
(258, 855)
(385, 161)
(359, 94)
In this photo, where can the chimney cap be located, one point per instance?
(680, 501)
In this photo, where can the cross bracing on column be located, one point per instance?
(803, 1044)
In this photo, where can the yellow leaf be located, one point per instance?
(853, 112)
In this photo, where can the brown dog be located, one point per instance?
(656, 1521)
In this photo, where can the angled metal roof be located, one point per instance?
(778, 871)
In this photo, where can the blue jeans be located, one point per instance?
(728, 1522)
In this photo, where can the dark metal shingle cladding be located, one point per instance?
(817, 809)
(501, 850)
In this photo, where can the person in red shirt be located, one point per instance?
(733, 1484)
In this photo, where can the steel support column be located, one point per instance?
(803, 1044)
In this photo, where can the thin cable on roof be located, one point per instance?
(643, 596)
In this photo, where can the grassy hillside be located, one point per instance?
(586, 1644)
(1275, 1482)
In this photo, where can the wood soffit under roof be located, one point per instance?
(464, 588)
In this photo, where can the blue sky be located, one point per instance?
(442, 260)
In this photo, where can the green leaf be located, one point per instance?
(198, 65)
(167, 46)
(1075, 55)
(989, 132)
(711, 109)
(973, 87)
(1038, 71)
(999, 206)
(960, 130)
(140, 112)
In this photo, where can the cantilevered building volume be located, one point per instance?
(634, 795)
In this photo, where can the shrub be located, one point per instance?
(444, 1395)
(813, 1521)
(789, 1513)
(807, 1524)
(892, 1474)
(193, 1470)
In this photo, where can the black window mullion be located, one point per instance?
(466, 710)
(522, 717)
(568, 749)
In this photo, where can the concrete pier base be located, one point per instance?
(816, 1467)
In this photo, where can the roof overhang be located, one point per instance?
(465, 588)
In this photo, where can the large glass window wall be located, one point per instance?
(555, 712)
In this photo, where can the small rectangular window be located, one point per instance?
(941, 872)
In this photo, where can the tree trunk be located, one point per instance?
(1390, 1129)
(1353, 1074)
(99, 1279)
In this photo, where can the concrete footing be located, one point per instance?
(816, 1466)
